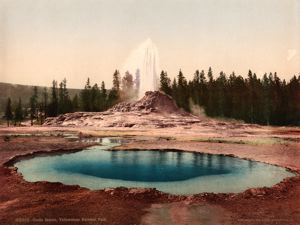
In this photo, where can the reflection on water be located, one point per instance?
(102, 140)
(151, 166)
(169, 171)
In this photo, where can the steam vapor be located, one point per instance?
(145, 59)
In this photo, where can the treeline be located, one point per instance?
(267, 100)
(95, 99)
(58, 101)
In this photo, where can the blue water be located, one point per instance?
(169, 171)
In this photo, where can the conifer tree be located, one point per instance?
(266, 100)
(114, 94)
(45, 102)
(34, 105)
(116, 81)
(8, 112)
(67, 100)
(75, 103)
(53, 106)
(85, 96)
(103, 97)
(293, 108)
(95, 98)
(269, 100)
(18, 116)
(127, 86)
(182, 92)
(61, 99)
(220, 100)
(202, 89)
(194, 88)
(210, 110)
(174, 89)
(165, 83)
(64, 101)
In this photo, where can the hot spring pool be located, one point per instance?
(172, 172)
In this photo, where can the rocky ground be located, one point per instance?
(155, 128)
(154, 110)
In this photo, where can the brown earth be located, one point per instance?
(277, 205)
(21, 200)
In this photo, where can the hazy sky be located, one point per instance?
(42, 40)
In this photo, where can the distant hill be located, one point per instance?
(16, 91)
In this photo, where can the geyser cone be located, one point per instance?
(152, 101)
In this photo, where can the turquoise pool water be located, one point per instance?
(169, 171)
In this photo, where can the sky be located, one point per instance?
(42, 40)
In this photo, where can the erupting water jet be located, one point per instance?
(144, 59)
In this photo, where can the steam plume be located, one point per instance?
(145, 59)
